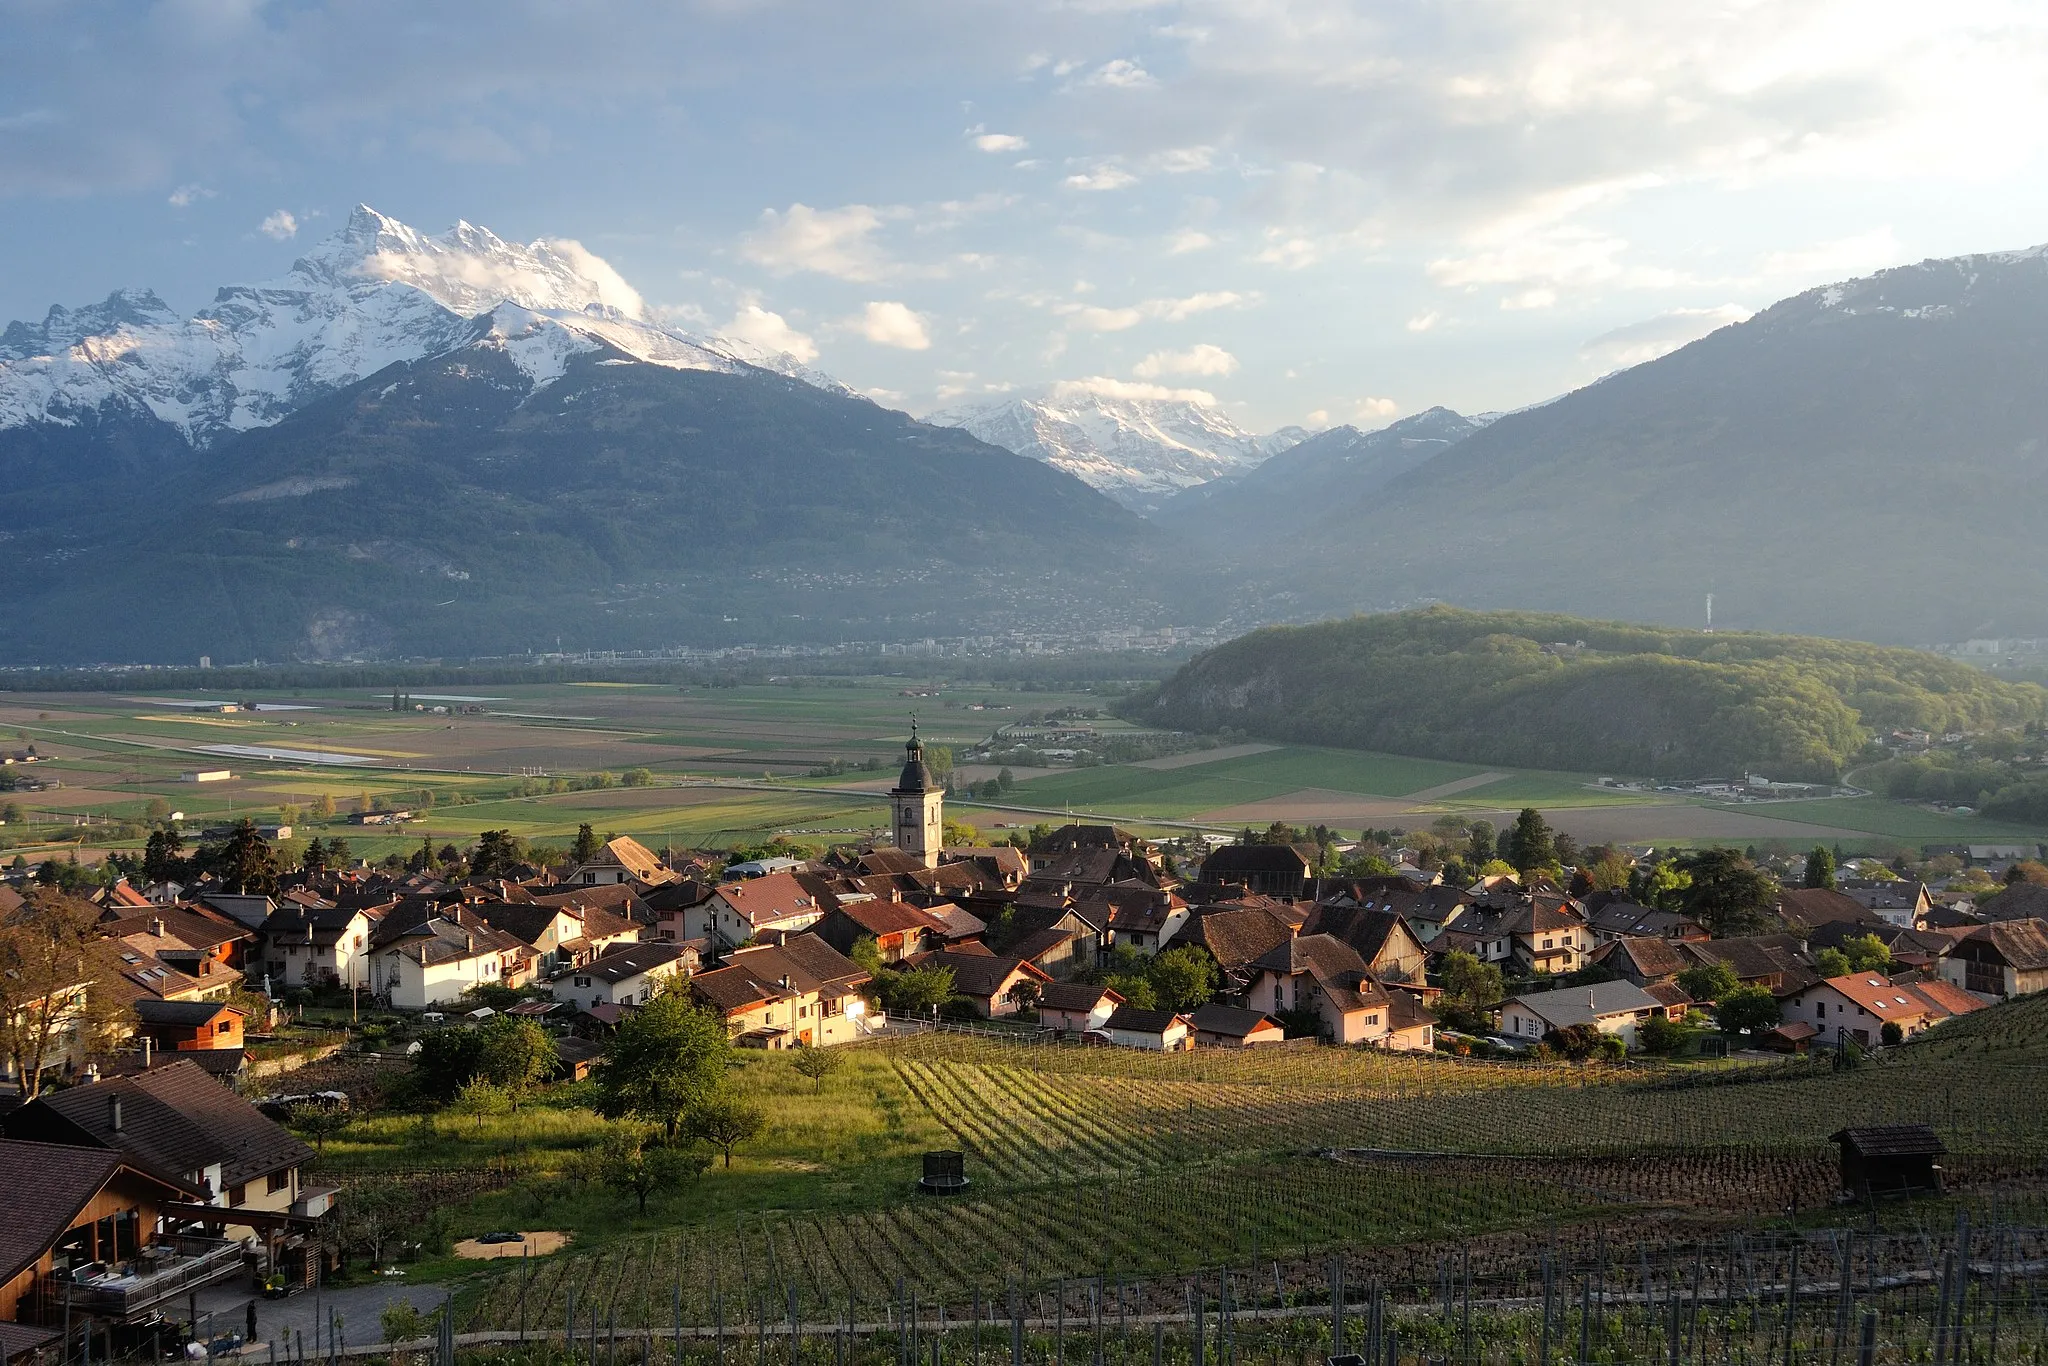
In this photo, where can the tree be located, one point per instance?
(56, 983)
(916, 991)
(1005, 780)
(338, 853)
(319, 1123)
(814, 1063)
(1709, 981)
(638, 777)
(496, 851)
(1729, 894)
(1135, 988)
(1479, 844)
(1891, 1032)
(586, 847)
(628, 1164)
(1469, 981)
(1182, 979)
(725, 1121)
(1831, 962)
(1661, 1037)
(1531, 846)
(960, 835)
(244, 862)
(315, 857)
(1662, 884)
(667, 1058)
(447, 1061)
(162, 856)
(1578, 1042)
(157, 811)
(2027, 870)
(1606, 869)
(514, 1054)
(1866, 953)
(482, 1098)
(10, 814)
(1820, 868)
(1746, 1008)
(323, 807)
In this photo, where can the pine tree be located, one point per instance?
(1531, 846)
(1820, 869)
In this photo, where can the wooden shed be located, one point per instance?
(1890, 1159)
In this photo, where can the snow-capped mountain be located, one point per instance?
(375, 293)
(1138, 450)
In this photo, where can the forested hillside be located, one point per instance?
(1546, 691)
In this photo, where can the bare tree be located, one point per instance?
(55, 983)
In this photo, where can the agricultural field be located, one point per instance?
(1136, 1167)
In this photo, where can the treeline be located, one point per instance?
(1118, 671)
(1546, 691)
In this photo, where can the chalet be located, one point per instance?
(80, 1242)
(1857, 1006)
(1391, 951)
(1221, 1026)
(1547, 936)
(755, 908)
(184, 1128)
(304, 946)
(623, 859)
(1161, 1031)
(1281, 870)
(1611, 1007)
(898, 929)
(995, 985)
(628, 975)
(1075, 1006)
(190, 1026)
(1323, 975)
(2009, 958)
(799, 992)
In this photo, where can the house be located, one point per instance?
(311, 947)
(741, 912)
(1056, 951)
(995, 985)
(71, 1208)
(184, 938)
(1076, 1006)
(899, 929)
(799, 992)
(431, 956)
(1642, 960)
(1857, 1006)
(2020, 901)
(1281, 870)
(2004, 959)
(1320, 974)
(1896, 902)
(671, 909)
(628, 975)
(1236, 937)
(1547, 936)
(190, 1026)
(1134, 915)
(246, 909)
(1611, 1007)
(1428, 910)
(1611, 918)
(1804, 909)
(1777, 962)
(1052, 849)
(623, 859)
(1221, 1026)
(182, 1127)
(1005, 863)
(1391, 950)
(1161, 1031)
(560, 936)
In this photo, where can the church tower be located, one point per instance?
(918, 805)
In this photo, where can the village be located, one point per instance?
(147, 1173)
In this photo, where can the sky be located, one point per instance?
(1303, 211)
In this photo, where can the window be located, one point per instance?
(582, 981)
(278, 1181)
(1820, 1010)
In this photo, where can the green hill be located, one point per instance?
(1545, 691)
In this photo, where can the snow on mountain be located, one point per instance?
(375, 293)
(1133, 443)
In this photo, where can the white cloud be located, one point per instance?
(1654, 337)
(1538, 267)
(279, 226)
(1183, 160)
(1845, 256)
(1187, 240)
(612, 289)
(1318, 419)
(1376, 410)
(1000, 142)
(888, 398)
(185, 196)
(770, 331)
(1093, 318)
(1103, 177)
(1422, 322)
(836, 242)
(1122, 74)
(888, 323)
(1200, 359)
(1102, 386)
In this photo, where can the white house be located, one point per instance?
(1076, 1006)
(622, 860)
(1857, 1007)
(1611, 1007)
(435, 961)
(741, 911)
(627, 975)
(315, 946)
(1161, 1031)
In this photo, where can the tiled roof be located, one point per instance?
(1814, 906)
(175, 1121)
(1136, 1021)
(979, 974)
(1229, 1021)
(1236, 937)
(1074, 996)
(777, 896)
(632, 960)
(1585, 1005)
(47, 1185)
(2023, 944)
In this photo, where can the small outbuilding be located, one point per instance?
(1890, 1159)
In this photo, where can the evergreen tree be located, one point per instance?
(587, 845)
(315, 858)
(1820, 868)
(245, 862)
(1531, 846)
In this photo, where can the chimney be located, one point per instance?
(147, 1047)
(114, 1113)
(156, 926)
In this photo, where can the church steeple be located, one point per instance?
(917, 805)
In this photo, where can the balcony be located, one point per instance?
(165, 1269)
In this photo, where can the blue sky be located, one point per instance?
(1312, 211)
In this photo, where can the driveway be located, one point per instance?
(359, 1307)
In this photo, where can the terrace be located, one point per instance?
(160, 1271)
